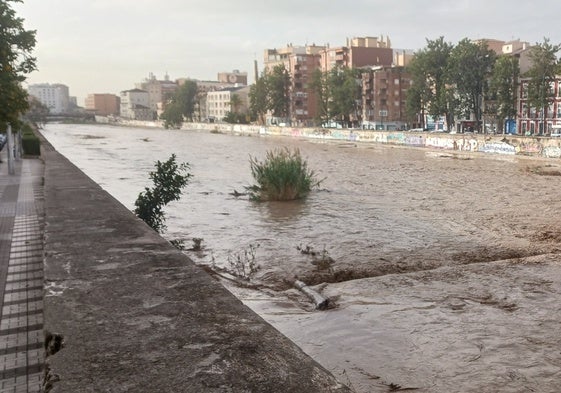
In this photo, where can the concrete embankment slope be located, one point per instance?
(136, 315)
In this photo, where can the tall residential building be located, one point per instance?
(103, 104)
(384, 95)
(55, 96)
(135, 105)
(219, 102)
(300, 62)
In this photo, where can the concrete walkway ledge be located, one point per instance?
(136, 315)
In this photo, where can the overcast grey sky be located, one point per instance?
(106, 46)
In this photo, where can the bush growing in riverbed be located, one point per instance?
(169, 179)
(243, 264)
(283, 176)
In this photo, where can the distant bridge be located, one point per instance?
(78, 117)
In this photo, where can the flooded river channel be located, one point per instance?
(443, 267)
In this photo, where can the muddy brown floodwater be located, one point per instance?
(444, 269)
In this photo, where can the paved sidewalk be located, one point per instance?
(21, 276)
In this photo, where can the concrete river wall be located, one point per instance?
(124, 311)
(539, 146)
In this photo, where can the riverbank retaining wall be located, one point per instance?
(124, 311)
(471, 143)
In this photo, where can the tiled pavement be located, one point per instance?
(21, 276)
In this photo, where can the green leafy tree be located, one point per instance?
(545, 65)
(258, 99)
(169, 179)
(345, 93)
(432, 91)
(181, 106)
(470, 67)
(320, 87)
(419, 94)
(438, 62)
(186, 98)
(503, 87)
(16, 61)
(172, 115)
(278, 90)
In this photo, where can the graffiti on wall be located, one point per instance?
(545, 147)
(369, 136)
(466, 145)
(415, 140)
(397, 138)
(497, 148)
(529, 148)
(440, 143)
(552, 152)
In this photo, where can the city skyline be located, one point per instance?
(108, 46)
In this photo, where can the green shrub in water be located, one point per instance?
(169, 179)
(283, 176)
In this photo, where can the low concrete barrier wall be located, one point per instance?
(124, 311)
(475, 143)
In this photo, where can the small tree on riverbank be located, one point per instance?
(16, 61)
(169, 179)
(283, 176)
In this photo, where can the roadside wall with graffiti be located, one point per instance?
(471, 143)
(474, 143)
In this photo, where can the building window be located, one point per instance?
(524, 90)
(524, 111)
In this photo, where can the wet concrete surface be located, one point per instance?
(127, 312)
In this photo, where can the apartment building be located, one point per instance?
(159, 91)
(103, 104)
(300, 62)
(135, 105)
(384, 95)
(53, 96)
(203, 87)
(359, 52)
(533, 122)
(219, 102)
